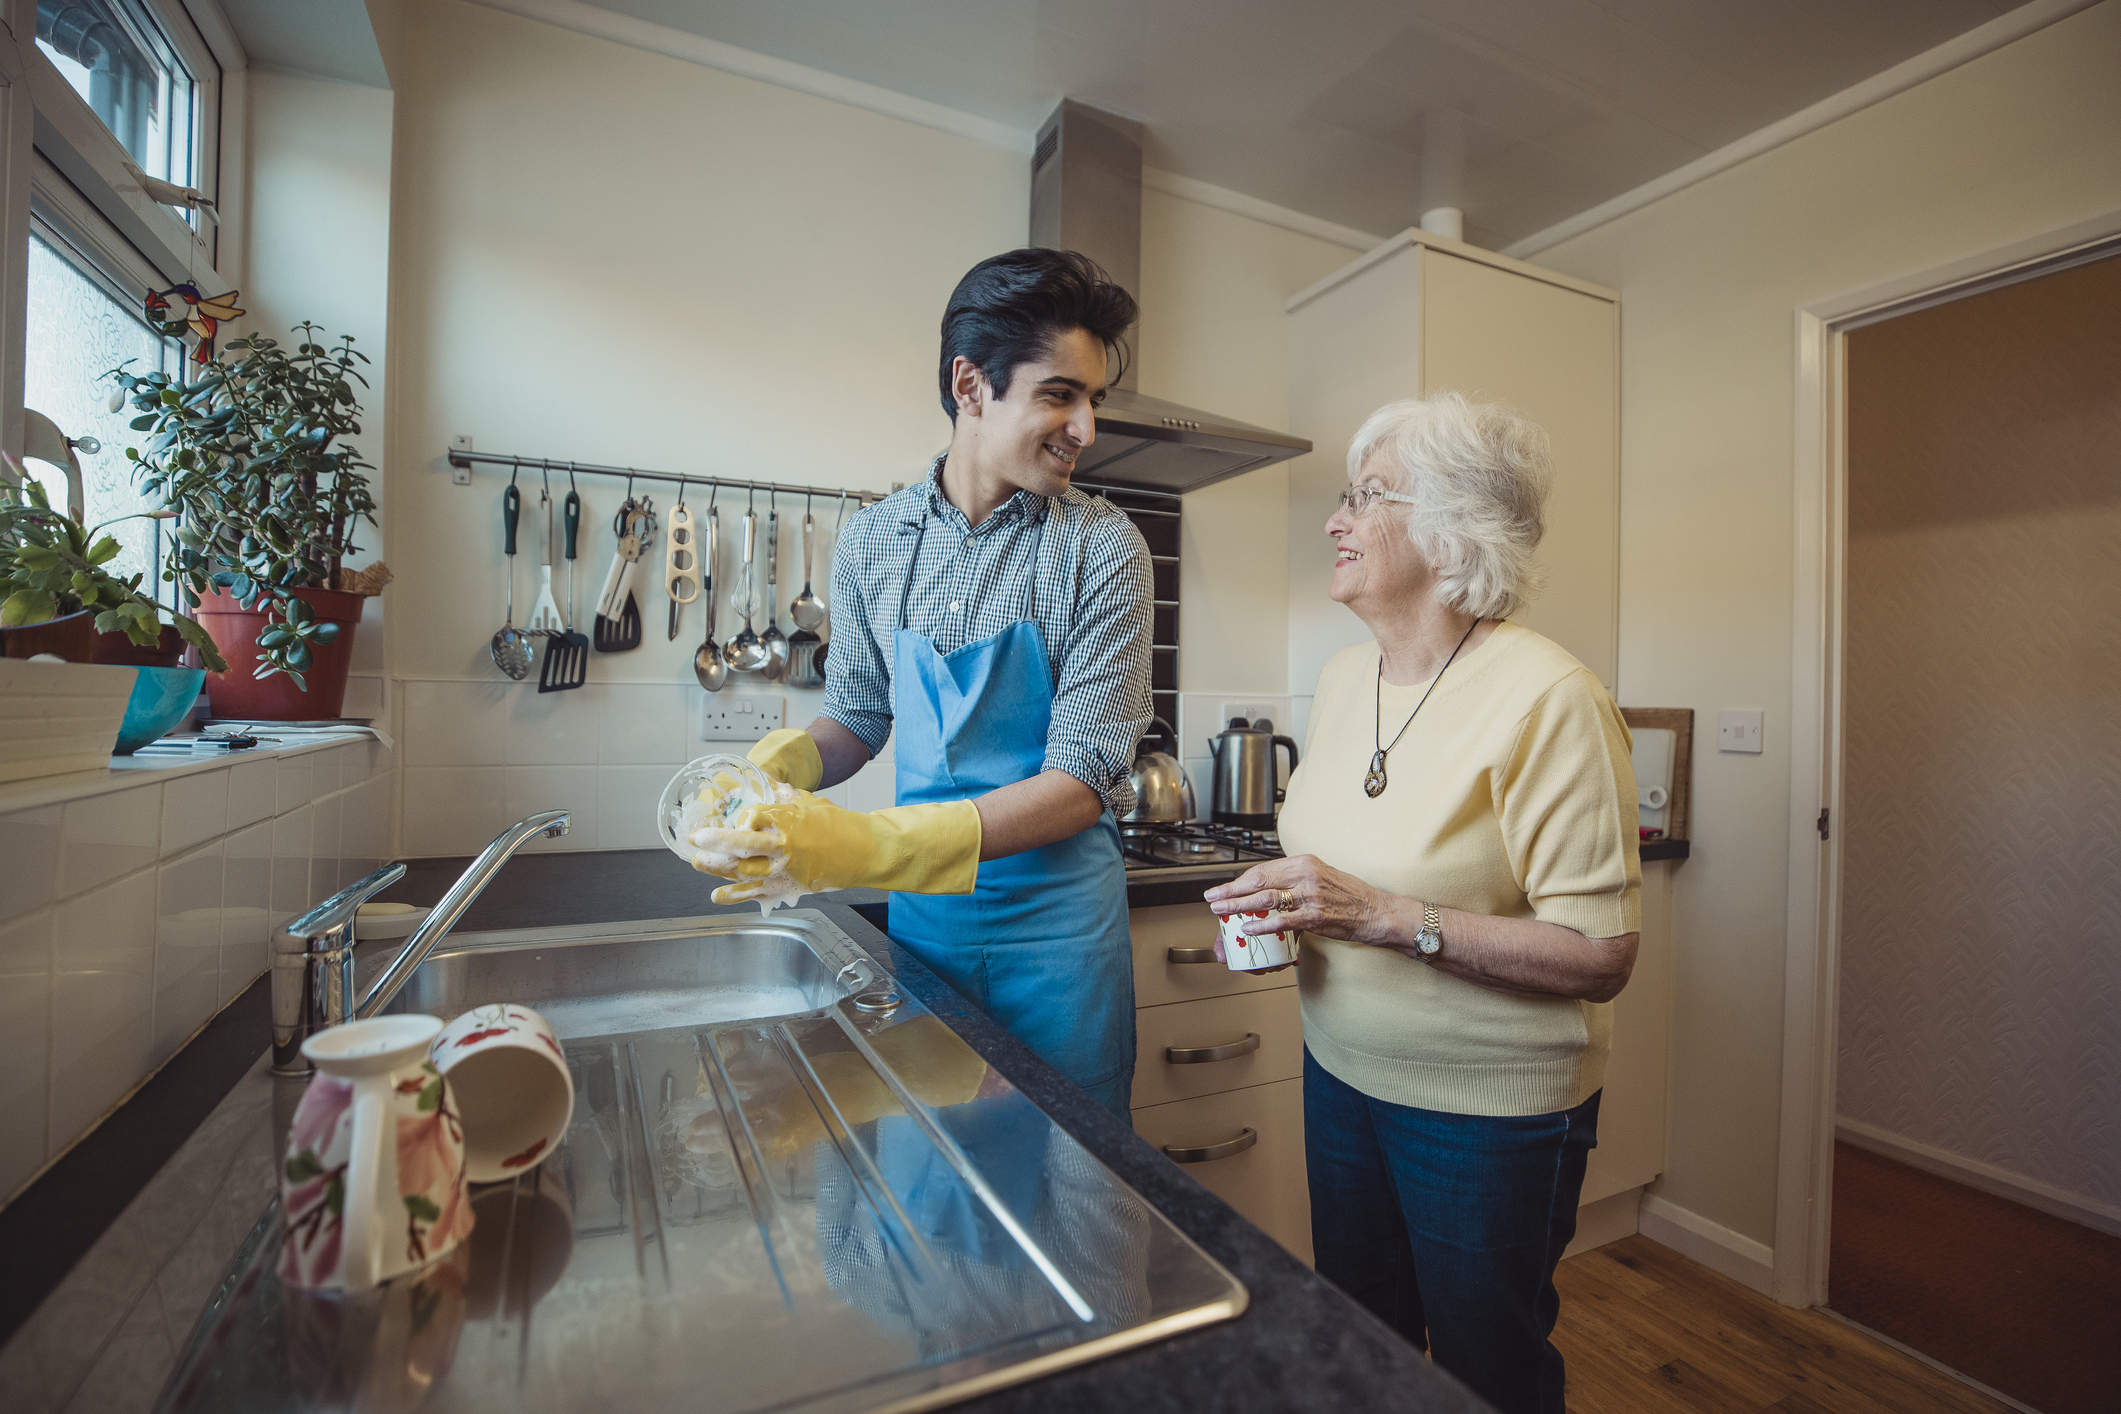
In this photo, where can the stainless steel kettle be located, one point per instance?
(1162, 794)
(1245, 793)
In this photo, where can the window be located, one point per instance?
(123, 67)
(77, 331)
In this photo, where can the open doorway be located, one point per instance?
(1977, 1176)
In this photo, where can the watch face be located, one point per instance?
(1428, 942)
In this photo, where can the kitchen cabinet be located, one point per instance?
(1422, 313)
(1215, 1104)
(1265, 1180)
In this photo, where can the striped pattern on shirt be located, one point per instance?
(1093, 604)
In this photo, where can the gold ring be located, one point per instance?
(1286, 901)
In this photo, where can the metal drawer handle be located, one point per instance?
(1206, 1153)
(1196, 1055)
(1190, 954)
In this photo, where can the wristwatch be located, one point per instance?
(1429, 941)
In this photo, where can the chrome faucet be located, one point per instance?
(313, 958)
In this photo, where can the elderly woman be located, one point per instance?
(1464, 869)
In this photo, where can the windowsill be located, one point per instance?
(127, 771)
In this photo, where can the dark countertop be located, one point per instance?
(1301, 1345)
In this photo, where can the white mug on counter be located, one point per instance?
(1249, 952)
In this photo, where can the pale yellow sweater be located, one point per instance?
(1511, 794)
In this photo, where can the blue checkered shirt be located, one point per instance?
(1093, 607)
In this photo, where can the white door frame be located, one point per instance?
(1812, 966)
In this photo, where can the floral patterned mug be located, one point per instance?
(373, 1186)
(512, 1085)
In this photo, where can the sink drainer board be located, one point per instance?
(792, 1188)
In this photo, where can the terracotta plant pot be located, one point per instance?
(119, 649)
(72, 638)
(238, 696)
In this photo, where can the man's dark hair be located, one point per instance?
(1009, 308)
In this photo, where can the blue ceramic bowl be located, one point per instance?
(161, 699)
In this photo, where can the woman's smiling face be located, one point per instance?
(1375, 565)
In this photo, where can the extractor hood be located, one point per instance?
(1086, 195)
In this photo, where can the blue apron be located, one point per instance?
(1041, 943)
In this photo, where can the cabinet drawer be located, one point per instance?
(1203, 1028)
(1265, 1180)
(1158, 980)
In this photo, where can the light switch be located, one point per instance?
(1738, 731)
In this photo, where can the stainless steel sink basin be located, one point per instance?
(787, 1186)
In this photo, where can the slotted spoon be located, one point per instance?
(511, 646)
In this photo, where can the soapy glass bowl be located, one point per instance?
(754, 787)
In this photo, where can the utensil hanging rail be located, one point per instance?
(466, 460)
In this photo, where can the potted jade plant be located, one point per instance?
(251, 455)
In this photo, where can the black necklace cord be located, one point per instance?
(1374, 780)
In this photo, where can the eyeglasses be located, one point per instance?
(1359, 499)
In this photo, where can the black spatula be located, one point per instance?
(567, 655)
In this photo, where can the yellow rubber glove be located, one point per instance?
(914, 849)
(791, 756)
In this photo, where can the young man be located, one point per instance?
(1000, 620)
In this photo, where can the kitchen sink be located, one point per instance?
(786, 1186)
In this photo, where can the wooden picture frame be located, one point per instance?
(1680, 722)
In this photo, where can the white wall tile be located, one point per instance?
(102, 1001)
(187, 946)
(458, 723)
(364, 832)
(290, 864)
(556, 728)
(294, 782)
(324, 771)
(107, 835)
(626, 797)
(327, 820)
(453, 810)
(571, 788)
(29, 843)
(875, 786)
(26, 945)
(246, 909)
(644, 723)
(25, 1041)
(194, 809)
(353, 762)
(252, 792)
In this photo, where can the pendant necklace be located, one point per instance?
(1374, 781)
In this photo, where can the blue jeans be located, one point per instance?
(1449, 1227)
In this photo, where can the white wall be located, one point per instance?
(2015, 143)
(318, 226)
(1215, 336)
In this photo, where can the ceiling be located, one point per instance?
(328, 37)
(1552, 106)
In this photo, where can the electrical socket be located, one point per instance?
(740, 716)
(459, 475)
(1739, 732)
(1250, 711)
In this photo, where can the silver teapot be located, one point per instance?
(1245, 792)
(1162, 793)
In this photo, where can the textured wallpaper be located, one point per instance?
(1981, 916)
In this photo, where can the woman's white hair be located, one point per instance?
(1478, 473)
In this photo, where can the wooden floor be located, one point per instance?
(1646, 1331)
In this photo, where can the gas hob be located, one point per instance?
(1154, 851)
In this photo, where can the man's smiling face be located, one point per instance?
(1032, 437)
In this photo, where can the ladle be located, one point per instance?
(746, 653)
(707, 663)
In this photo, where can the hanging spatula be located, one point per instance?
(567, 652)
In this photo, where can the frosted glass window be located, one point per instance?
(77, 333)
(112, 54)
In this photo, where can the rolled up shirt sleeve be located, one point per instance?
(1101, 702)
(857, 676)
